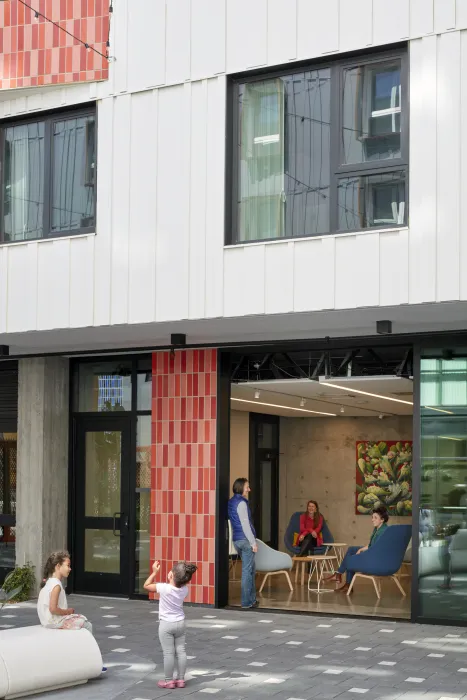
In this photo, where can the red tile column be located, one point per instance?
(183, 488)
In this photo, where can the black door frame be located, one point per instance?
(132, 416)
(94, 582)
(7, 519)
(256, 456)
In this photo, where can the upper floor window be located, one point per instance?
(321, 150)
(48, 176)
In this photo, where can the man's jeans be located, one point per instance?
(247, 555)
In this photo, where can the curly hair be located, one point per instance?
(382, 512)
(182, 573)
(55, 559)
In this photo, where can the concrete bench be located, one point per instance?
(35, 660)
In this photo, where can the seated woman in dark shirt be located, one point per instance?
(311, 524)
(380, 519)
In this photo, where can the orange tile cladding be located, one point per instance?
(35, 52)
(184, 464)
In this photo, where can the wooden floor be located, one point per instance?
(277, 595)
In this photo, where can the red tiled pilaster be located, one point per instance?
(184, 404)
(35, 52)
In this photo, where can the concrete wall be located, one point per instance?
(318, 462)
(239, 445)
(42, 476)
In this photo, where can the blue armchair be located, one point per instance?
(383, 560)
(294, 526)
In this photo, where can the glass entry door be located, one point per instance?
(102, 537)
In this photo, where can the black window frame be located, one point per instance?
(338, 170)
(49, 117)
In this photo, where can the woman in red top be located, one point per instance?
(311, 524)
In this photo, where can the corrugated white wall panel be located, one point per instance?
(178, 31)
(102, 247)
(461, 14)
(448, 165)
(421, 17)
(279, 277)
(365, 264)
(120, 210)
(390, 21)
(3, 288)
(348, 275)
(53, 284)
(22, 286)
(444, 15)
(146, 44)
(207, 54)
(247, 44)
(235, 300)
(119, 69)
(393, 268)
(282, 31)
(317, 27)
(142, 208)
(355, 24)
(173, 167)
(198, 200)
(463, 170)
(215, 159)
(81, 281)
(423, 171)
(314, 274)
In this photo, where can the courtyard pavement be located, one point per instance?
(239, 654)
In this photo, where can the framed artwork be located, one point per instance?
(384, 477)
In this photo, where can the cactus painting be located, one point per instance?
(384, 477)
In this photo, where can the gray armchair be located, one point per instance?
(271, 562)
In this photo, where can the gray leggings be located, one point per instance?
(172, 639)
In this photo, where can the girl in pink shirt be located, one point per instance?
(172, 631)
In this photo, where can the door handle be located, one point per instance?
(114, 528)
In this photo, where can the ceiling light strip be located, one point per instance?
(289, 408)
(349, 389)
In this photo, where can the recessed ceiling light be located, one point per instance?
(289, 408)
(257, 394)
(342, 409)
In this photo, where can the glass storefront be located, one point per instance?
(112, 472)
(442, 563)
(8, 451)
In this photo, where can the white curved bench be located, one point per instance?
(36, 659)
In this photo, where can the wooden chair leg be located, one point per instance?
(266, 576)
(375, 584)
(398, 584)
(297, 567)
(288, 580)
(351, 584)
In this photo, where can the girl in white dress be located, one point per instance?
(52, 606)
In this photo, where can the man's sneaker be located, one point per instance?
(180, 684)
(169, 685)
(104, 669)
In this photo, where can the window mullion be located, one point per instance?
(47, 218)
(335, 144)
(2, 184)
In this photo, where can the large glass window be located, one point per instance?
(321, 150)
(49, 176)
(8, 443)
(443, 492)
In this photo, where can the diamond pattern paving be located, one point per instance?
(242, 657)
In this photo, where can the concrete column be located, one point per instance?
(42, 478)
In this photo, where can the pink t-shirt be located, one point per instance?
(171, 602)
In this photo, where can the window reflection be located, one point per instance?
(443, 494)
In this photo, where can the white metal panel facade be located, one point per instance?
(158, 254)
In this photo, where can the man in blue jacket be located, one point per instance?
(244, 539)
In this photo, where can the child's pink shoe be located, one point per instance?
(180, 684)
(169, 685)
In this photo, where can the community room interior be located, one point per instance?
(320, 425)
